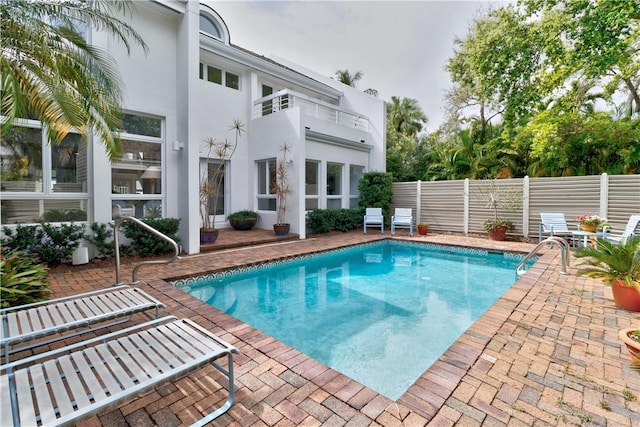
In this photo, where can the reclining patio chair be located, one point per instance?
(403, 218)
(67, 384)
(373, 218)
(554, 224)
(77, 314)
(632, 229)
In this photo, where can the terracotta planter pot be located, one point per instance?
(626, 297)
(632, 346)
(423, 229)
(498, 233)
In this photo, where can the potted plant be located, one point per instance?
(497, 227)
(243, 220)
(631, 339)
(496, 198)
(423, 228)
(282, 191)
(211, 182)
(591, 223)
(617, 265)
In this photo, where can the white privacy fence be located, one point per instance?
(458, 206)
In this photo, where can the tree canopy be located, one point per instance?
(51, 73)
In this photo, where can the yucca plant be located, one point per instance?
(23, 279)
(610, 262)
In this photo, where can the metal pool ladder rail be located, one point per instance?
(564, 254)
(147, 227)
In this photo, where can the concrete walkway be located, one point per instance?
(547, 353)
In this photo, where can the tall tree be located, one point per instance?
(49, 72)
(344, 76)
(405, 116)
(405, 119)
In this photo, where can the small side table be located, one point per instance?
(587, 236)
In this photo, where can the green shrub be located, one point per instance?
(324, 220)
(23, 279)
(52, 244)
(102, 237)
(376, 191)
(144, 243)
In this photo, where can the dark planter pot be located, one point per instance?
(243, 224)
(208, 236)
(423, 230)
(633, 346)
(281, 229)
(626, 297)
(498, 233)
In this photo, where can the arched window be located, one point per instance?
(209, 26)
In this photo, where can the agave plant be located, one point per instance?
(609, 261)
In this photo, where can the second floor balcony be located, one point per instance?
(311, 107)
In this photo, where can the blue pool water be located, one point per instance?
(379, 313)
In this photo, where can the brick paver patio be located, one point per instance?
(547, 353)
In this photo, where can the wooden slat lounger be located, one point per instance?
(64, 385)
(29, 322)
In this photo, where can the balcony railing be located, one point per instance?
(311, 107)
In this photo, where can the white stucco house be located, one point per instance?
(191, 85)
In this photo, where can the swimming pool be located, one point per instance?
(381, 313)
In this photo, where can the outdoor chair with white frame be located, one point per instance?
(403, 218)
(632, 228)
(373, 218)
(554, 224)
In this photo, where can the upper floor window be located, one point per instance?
(209, 26)
(212, 25)
(218, 76)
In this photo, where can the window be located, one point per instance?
(136, 178)
(312, 170)
(40, 181)
(209, 26)
(218, 76)
(266, 182)
(355, 175)
(334, 186)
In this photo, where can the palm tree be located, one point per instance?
(405, 116)
(344, 76)
(49, 72)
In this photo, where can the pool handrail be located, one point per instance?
(564, 254)
(147, 227)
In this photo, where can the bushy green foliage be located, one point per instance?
(102, 237)
(52, 244)
(324, 220)
(23, 279)
(376, 191)
(144, 243)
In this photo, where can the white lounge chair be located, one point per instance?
(373, 218)
(631, 229)
(403, 218)
(64, 385)
(554, 224)
(78, 313)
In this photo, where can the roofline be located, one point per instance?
(267, 66)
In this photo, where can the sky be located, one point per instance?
(401, 47)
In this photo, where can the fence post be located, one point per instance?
(525, 206)
(604, 196)
(418, 205)
(465, 225)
